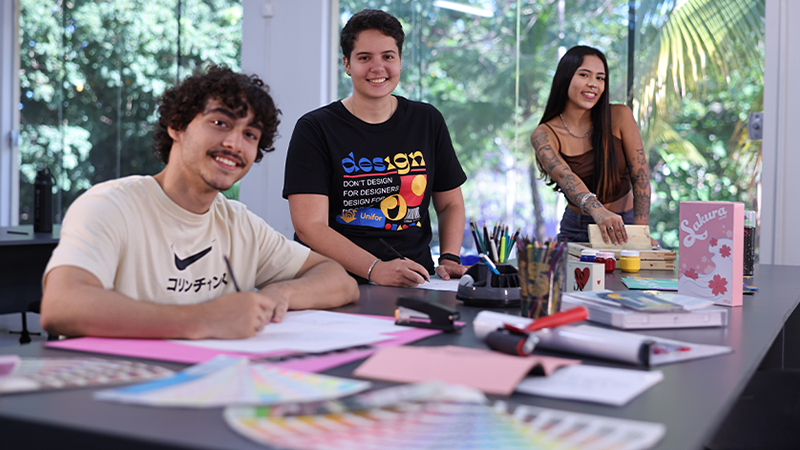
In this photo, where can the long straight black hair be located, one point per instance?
(606, 179)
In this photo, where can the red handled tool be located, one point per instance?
(577, 314)
(521, 342)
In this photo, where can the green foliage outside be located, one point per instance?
(90, 76)
(701, 76)
(689, 108)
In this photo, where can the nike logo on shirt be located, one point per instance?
(182, 264)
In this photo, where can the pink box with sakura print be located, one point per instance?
(710, 259)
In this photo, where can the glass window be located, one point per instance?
(90, 74)
(487, 65)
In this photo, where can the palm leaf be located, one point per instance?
(698, 47)
(666, 140)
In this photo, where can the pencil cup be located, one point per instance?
(480, 287)
(542, 281)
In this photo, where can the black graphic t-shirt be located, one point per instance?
(378, 177)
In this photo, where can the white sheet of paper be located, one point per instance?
(438, 284)
(308, 331)
(606, 385)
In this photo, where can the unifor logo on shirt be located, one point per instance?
(383, 192)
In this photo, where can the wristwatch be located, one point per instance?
(451, 257)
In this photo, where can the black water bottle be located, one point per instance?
(43, 202)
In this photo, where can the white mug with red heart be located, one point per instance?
(585, 276)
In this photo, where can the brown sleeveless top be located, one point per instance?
(583, 166)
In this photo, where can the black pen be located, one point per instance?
(393, 250)
(17, 232)
(230, 271)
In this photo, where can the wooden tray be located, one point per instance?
(651, 259)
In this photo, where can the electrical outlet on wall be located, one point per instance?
(755, 126)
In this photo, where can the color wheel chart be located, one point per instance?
(438, 425)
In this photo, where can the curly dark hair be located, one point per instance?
(179, 105)
(371, 19)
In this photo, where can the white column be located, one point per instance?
(288, 44)
(780, 219)
(9, 112)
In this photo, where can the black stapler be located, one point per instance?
(416, 312)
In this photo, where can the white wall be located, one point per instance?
(291, 52)
(780, 218)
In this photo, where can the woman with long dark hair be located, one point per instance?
(592, 151)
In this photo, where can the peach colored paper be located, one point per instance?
(491, 372)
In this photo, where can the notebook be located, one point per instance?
(631, 319)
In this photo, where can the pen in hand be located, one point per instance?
(393, 250)
(230, 271)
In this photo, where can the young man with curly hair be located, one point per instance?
(155, 256)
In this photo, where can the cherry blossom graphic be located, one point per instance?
(717, 285)
(713, 242)
(725, 251)
(691, 273)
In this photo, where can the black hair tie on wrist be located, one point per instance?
(450, 257)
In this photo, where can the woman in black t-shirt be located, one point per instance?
(363, 170)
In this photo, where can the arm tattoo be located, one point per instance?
(570, 184)
(592, 203)
(544, 152)
(548, 159)
(640, 179)
(539, 139)
(640, 158)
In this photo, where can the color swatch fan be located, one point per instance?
(33, 374)
(228, 380)
(440, 424)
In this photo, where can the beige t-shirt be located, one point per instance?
(138, 242)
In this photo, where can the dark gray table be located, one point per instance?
(23, 257)
(692, 400)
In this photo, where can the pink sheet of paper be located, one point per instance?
(175, 352)
(490, 371)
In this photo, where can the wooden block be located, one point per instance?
(638, 238)
(650, 259)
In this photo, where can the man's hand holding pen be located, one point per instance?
(239, 315)
(265, 306)
(399, 272)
